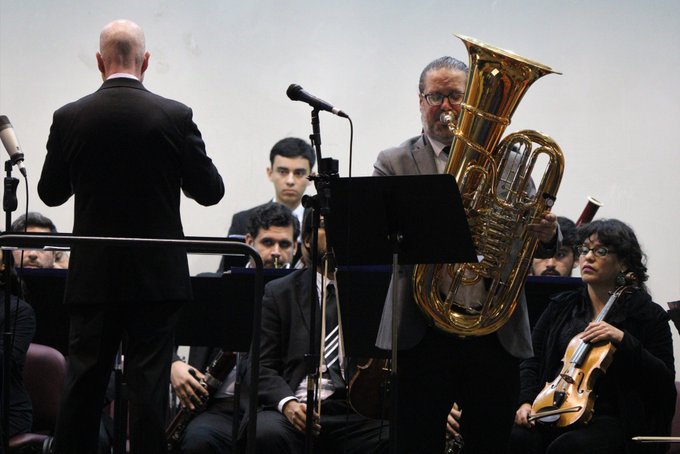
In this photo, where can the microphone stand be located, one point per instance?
(9, 204)
(319, 204)
(120, 401)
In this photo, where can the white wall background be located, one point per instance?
(614, 111)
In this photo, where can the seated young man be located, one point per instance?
(272, 230)
(291, 161)
(283, 383)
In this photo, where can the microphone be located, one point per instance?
(297, 93)
(11, 144)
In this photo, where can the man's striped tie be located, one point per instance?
(332, 341)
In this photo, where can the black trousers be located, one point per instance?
(211, 432)
(477, 373)
(342, 432)
(95, 334)
(603, 435)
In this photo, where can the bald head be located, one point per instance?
(122, 48)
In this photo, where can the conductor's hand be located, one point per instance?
(452, 421)
(545, 230)
(296, 413)
(186, 385)
(522, 416)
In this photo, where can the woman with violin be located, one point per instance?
(616, 379)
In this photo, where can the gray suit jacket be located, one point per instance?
(416, 157)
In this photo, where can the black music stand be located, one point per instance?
(539, 289)
(191, 244)
(398, 220)
(362, 290)
(229, 261)
(419, 217)
(214, 320)
(211, 320)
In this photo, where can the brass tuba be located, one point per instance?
(499, 197)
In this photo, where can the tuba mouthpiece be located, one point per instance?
(448, 118)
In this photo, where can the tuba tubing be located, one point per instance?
(499, 197)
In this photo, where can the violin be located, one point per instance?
(569, 398)
(367, 393)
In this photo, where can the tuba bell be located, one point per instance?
(498, 193)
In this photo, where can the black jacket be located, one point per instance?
(126, 154)
(22, 325)
(642, 370)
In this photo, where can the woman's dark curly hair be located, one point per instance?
(620, 238)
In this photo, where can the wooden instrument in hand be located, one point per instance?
(454, 443)
(589, 211)
(214, 375)
(569, 398)
(368, 389)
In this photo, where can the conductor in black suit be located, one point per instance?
(125, 154)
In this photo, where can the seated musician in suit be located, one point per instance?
(22, 326)
(636, 394)
(291, 161)
(22, 320)
(37, 258)
(269, 230)
(272, 230)
(564, 261)
(283, 383)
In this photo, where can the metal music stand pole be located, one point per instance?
(319, 205)
(328, 169)
(312, 357)
(9, 204)
(120, 402)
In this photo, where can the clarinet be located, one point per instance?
(454, 444)
(214, 376)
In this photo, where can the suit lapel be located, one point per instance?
(302, 298)
(423, 155)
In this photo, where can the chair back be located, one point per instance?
(44, 375)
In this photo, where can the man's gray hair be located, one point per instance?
(442, 62)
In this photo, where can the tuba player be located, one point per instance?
(480, 373)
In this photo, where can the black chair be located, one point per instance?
(44, 375)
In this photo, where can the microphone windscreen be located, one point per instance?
(293, 91)
(7, 136)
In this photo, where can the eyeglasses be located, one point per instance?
(436, 99)
(601, 251)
